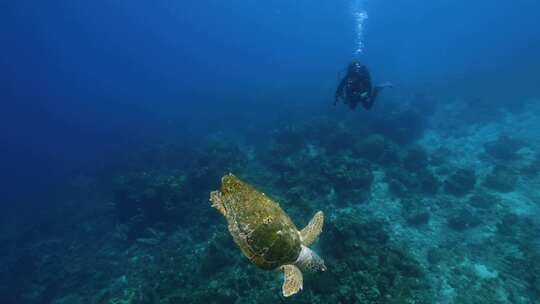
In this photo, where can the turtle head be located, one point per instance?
(309, 261)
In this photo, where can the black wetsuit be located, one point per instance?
(356, 87)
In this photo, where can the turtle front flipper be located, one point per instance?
(311, 232)
(293, 280)
(216, 198)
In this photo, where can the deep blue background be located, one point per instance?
(83, 79)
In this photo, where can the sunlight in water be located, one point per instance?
(360, 16)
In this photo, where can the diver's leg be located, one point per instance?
(368, 103)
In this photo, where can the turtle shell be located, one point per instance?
(258, 225)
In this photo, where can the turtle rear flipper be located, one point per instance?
(293, 281)
(311, 232)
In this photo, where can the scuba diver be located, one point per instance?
(356, 87)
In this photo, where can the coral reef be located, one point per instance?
(403, 182)
(505, 148)
(350, 178)
(415, 160)
(417, 211)
(215, 156)
(403, 125)
(461, 182)
(414, 211)
(463, 219)
(148, 196)
(532, 169)
(378, 149)
(502, 179)
(360, 246)
(483, 200)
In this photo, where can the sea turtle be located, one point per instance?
(265, 233)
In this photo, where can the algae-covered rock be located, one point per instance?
(286, 140)
(403, 182)
(146, 198)
(508, 225)
(532, 170)
(463, 219)
(502, 179)
(417, 217)
(505, 148)
(483, 200)
(416, 159)
(218, 255)
(378, 149)
(367, 268)
(208, 163)
(429, 184)
(439, 157)
(351, 178)
(402, 126)
(461, 182)
(414, 210)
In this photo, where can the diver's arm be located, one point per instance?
(368, 103)
(340, 90)
(383, 85)
(377, 89)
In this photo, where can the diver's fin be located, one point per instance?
(311, 232)
(293, 280)
(217, 202)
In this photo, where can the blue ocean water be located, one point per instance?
(119, 117)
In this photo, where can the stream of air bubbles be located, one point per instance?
(360, 16)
